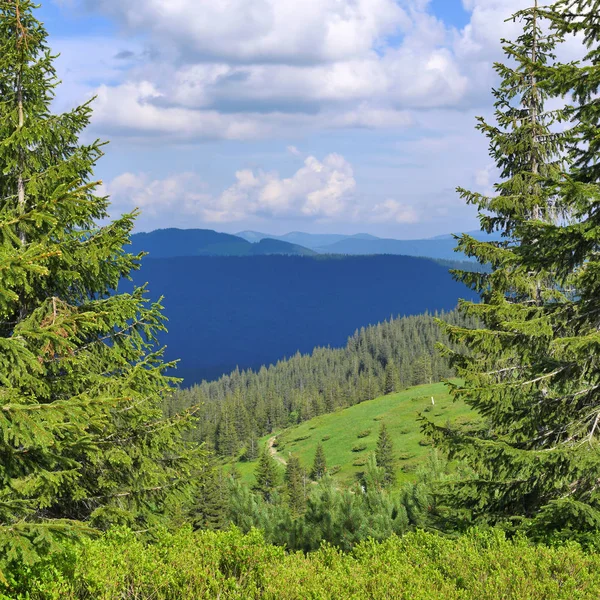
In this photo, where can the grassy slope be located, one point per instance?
(398, 411)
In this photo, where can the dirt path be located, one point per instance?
(273, 451)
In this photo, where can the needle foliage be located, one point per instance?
(83, 440)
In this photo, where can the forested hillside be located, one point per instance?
(251, 311)
(241, 407)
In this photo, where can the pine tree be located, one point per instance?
(319, 467)
(391, 378)
(384, 456)
(252, 447)
(295, 485)
(210, 508)
(83, 439)
(580, 17)
(266, 475)
(227, 438)
(532, 369)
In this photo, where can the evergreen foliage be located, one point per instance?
(83, 440)
(384, 456)
(319, 468)
(295, 483)
(582, 81)
(391, 384)
(210, 507)
(532, 369)
(242, 406)
(266, 475)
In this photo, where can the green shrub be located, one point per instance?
(189, 565)
(406, 455)
(360, 462)
(359, 448)
(325, 438)
(364, 434)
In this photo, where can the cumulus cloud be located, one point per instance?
(392, 211)
(239, 69)
(135, 108)
(248, 70)
(320, 189)
(268, 31)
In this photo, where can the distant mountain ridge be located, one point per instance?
(438, 247)
(309, 240)
(170, 243)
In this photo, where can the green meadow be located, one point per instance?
(350, 435)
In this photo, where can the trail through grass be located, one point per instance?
(345, 432)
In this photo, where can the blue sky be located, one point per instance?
(278, 115)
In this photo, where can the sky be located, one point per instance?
(339, 116)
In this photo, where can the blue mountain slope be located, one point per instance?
(249, 311)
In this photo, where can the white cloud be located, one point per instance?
(318, 190)
(265, 68)
(133, 108)
(240, 69)
(261, 30)
(392, 211)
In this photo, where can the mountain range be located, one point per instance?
(439, 247)
(168, 243)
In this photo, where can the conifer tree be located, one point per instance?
(210, 508)
(384, 456)
(227, 437)
(581, 81)
(295, 485)
(266, 475)
(252, 446)
(391, 378)
(83, 439)
(533, 369)
(319, 468)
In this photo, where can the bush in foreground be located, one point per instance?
(188, 565)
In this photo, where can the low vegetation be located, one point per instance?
(229, 565)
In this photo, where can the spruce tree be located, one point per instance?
(532, 369)
(391, 378)
(581, 81)
(319, 467)
(210, 508)
(83, 440)
(266, 475)
(384, 456)
(295, 485)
